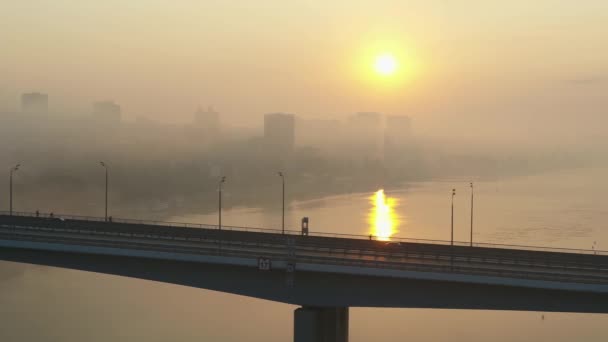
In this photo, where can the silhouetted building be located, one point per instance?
(279, 132)
(34, 103)
(207, 121)
(106, 112)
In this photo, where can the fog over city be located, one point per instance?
(343, 98)
(168, 165)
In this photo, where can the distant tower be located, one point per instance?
(279, 132)
(107, 112)
(207, 121)
(34, 103)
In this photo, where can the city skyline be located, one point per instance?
(108, 110)
(469, 66)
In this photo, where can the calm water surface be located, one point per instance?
(561, 209)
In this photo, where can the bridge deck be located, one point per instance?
(553, 266)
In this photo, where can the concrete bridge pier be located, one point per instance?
(320, 324)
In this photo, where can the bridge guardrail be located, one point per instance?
(311, 233)
(333, 260)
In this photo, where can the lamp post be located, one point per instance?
(13, 170)
(106, 197)
(453, 194)
(472, 213)
(222, 181)
(283, 214)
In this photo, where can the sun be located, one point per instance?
(385, 64)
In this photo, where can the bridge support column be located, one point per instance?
(314, 324)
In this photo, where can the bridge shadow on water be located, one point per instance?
(313, 289)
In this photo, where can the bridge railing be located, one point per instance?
(312, 233)
(387, 258)
(346, 252)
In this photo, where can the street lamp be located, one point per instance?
(472, 214)
(13, 170)
(222, 181)
(106, 168)
(453, 194)
(283, 216)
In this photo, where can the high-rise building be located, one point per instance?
(207, 121)
(107, 112)
(279, 132)
(34, 103)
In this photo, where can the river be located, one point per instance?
(560, 209)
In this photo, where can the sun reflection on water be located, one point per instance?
(382, 218)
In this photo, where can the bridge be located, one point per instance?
(324, 274)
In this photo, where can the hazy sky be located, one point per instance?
(493, 66)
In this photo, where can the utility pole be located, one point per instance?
(222, 181)
(106, 200)
(472, 191)
(219, 213)
(283, 214)
(13, 170)
(453, 194)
